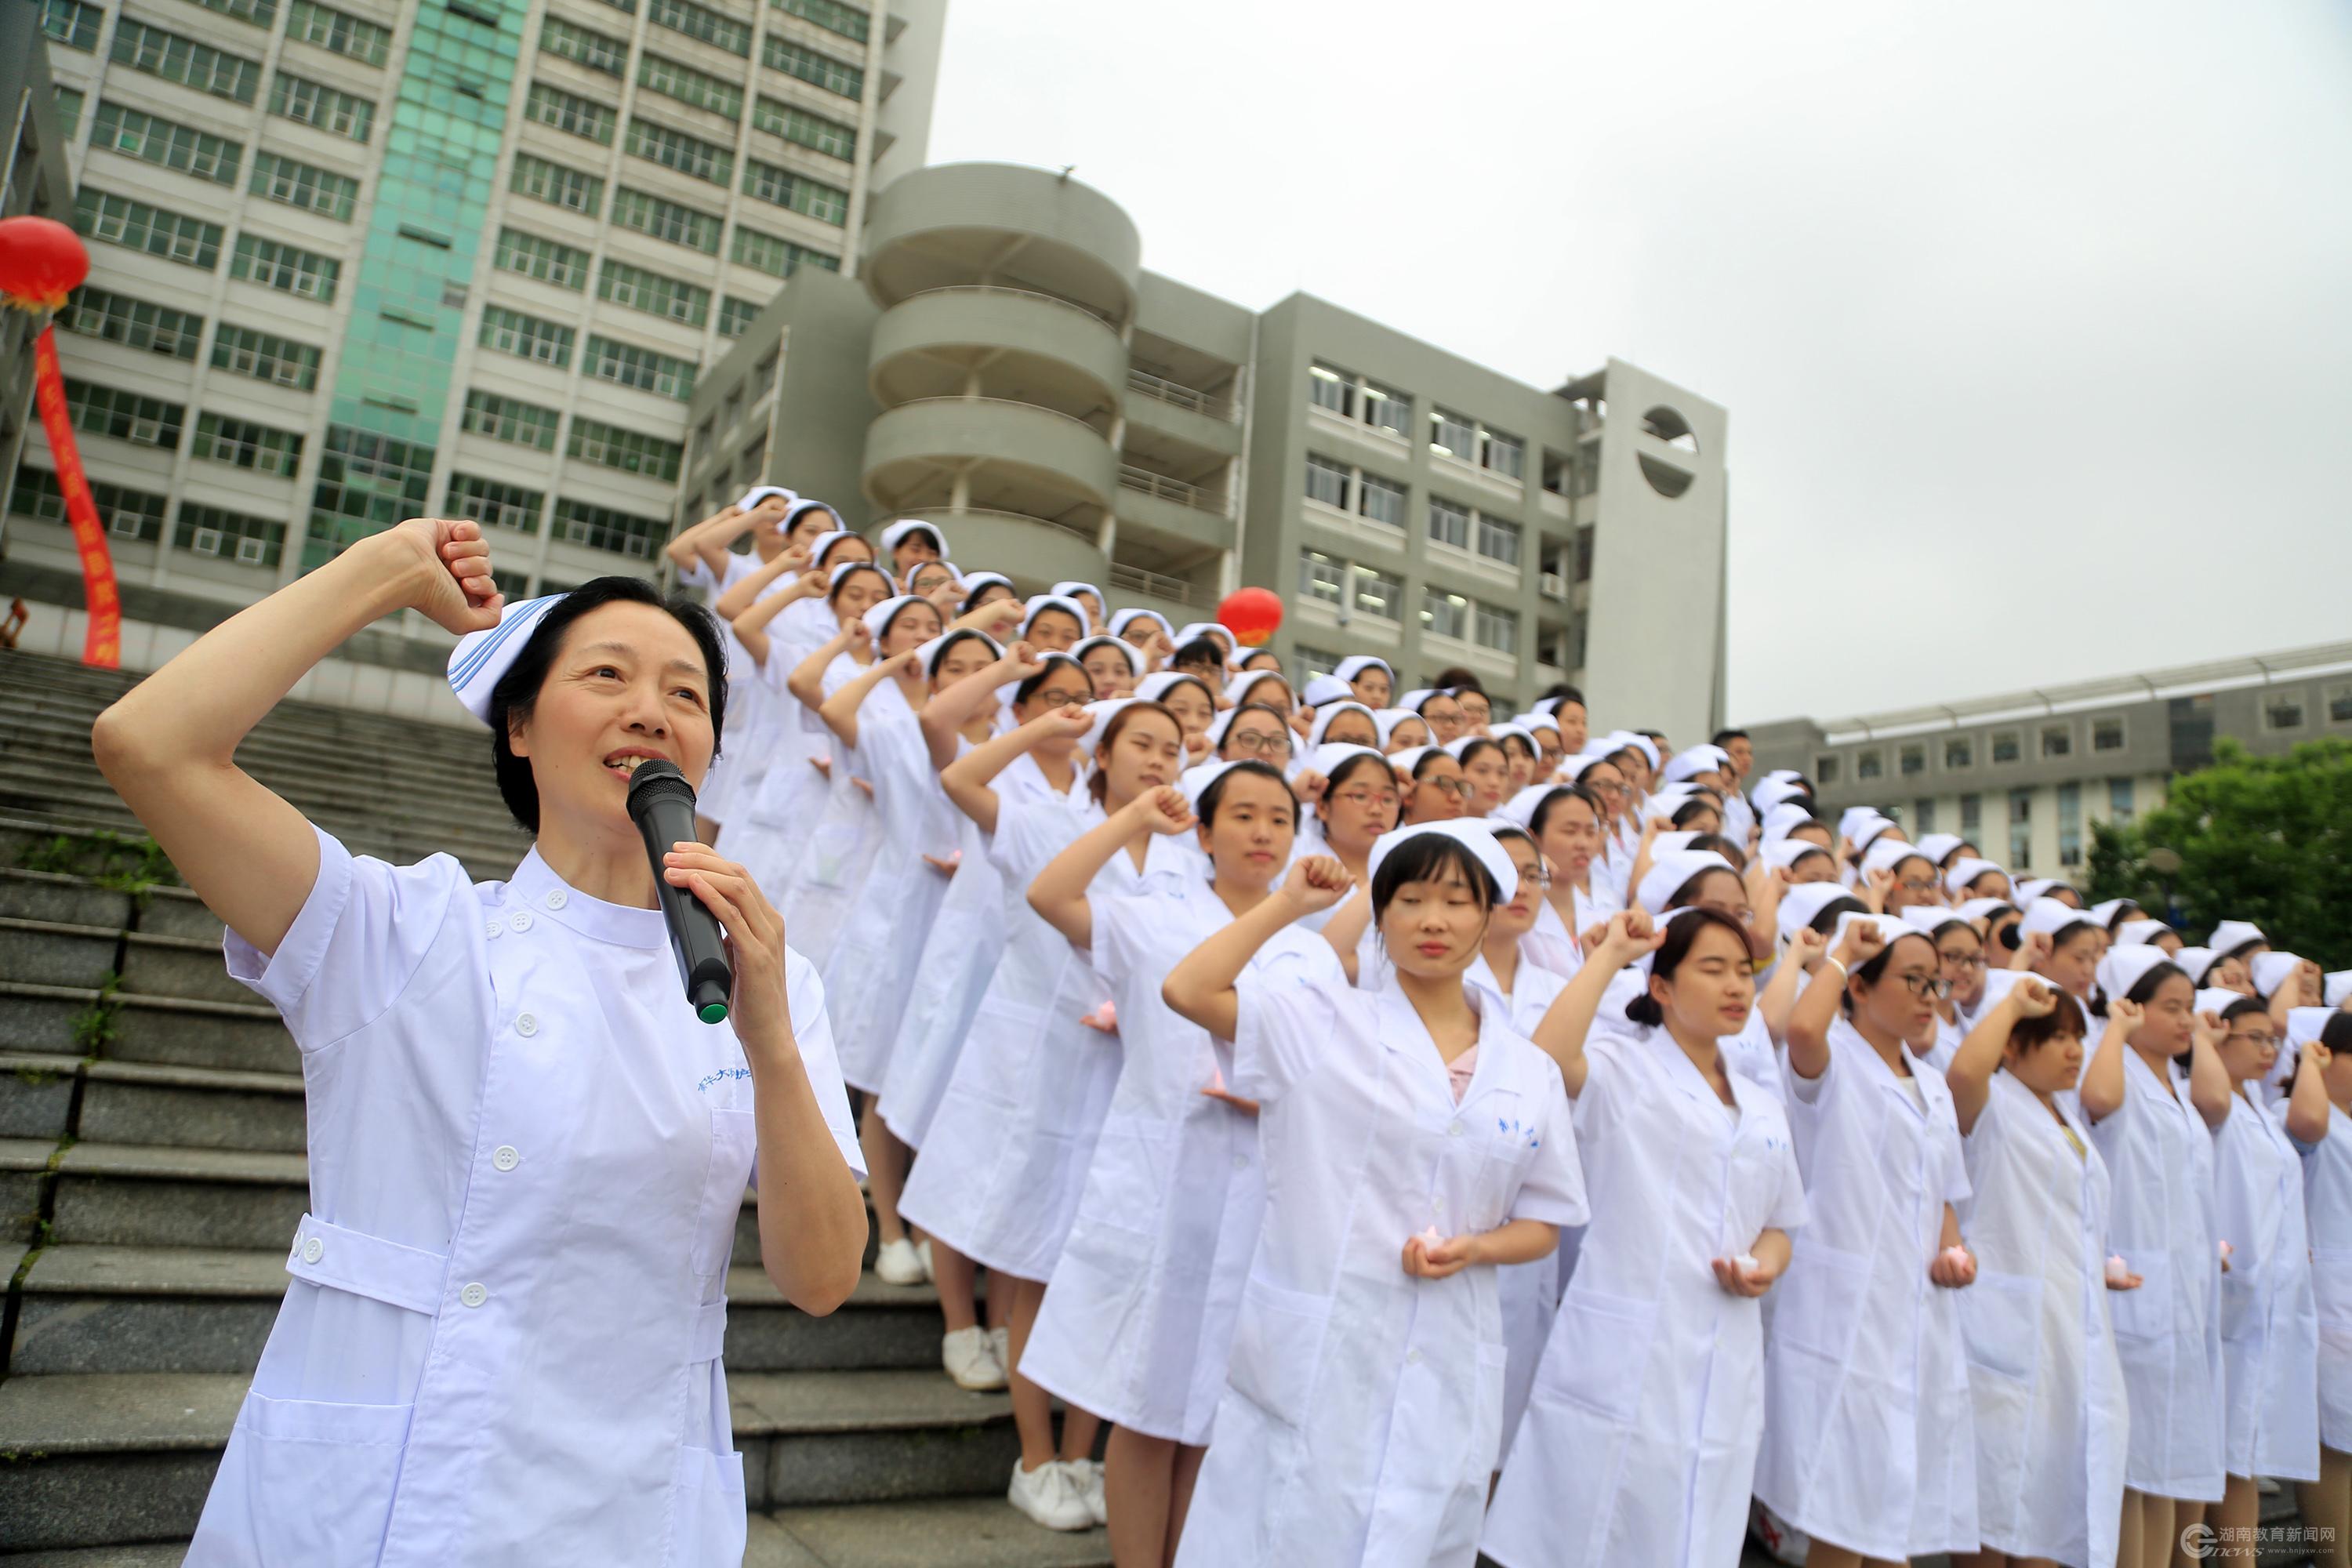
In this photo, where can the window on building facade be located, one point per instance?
(672, 79)
(266, 357)
(1382, 500)
(1497, 628)
(1923, 816)
(2007, 746)
(1446, 614)
(494, 503)
(1449, 522)
(304, 185)
(158, 231)
(1869, 762)
(2283, 711)
(630, 451)
(816, 69)
(242, 444)
(338, 32)
(1321, 577)
(1971, 817)
(1959, 752)
(1314, 662)
(675, 150)
(508, 419)
(1501, 454)
(2122, 803)
(602, 528)
(284, 268)
(513, 333)
(797, 125)
(1453, 434)
(181, 148)
(186, 61)
(322, 108)
(140, 325)
(548, 260)
(596, 51)
(571, 114)
(2339, 704)
(230, 535)
(653, 293)
(2020, 829)
(1911, 759)
(1326, 481)
(2070, 823)
(1825, 768)
(125, 415)
(2057, 739)
(1498, 539)
(1379, 594)
(2107, 734)
(667, 220)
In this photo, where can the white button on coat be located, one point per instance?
(313, 1249)
(474, 1295)
(506, 1157)
(521, 921)
(389, 1425)
(526, 1026)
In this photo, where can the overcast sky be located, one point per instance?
(2034, 321)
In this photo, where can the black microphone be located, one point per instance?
(661, 803)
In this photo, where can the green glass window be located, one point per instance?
(118, 319)
(813, 130)
(777, 258)
(232, 536)
(688, 155)
(127, 513)
(71, 23)
(570, 112)
(260, 13)
(597, 51)
(631, 451)
(735, 315)
(701, 22)
(135, 226)
(69, 104)
(186, 61)
(826, 203)
(159, 141)
(653, 293)
(650, 214)
(266, 357)
(493, 504)
(338, 32)
(548, 260)
(242, 444)
(625, 364)
(304, 185)
(659, 73)
(817, 69)
(508, 420)
(512, 333)
(849, 21)
(367, 482)
(285, 266)
(556, 183)
(316, 104)
(125, 415)
(602, 528)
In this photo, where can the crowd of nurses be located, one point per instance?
(1387, 1129)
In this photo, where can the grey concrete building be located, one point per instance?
(35, 181)
(2022, 775)
(365, 261)
(1005, 366)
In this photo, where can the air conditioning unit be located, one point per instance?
(207, 542)
(124, 525)
(251, 551)
(1554, 585)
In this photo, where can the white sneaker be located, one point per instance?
(1002, 1339)
(1086, 1481)
(924, 1252)
(898, 1264)
(1045, 1496)
(970, 1360)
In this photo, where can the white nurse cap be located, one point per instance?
(481, 658)
(1473, 836)
(758, 493)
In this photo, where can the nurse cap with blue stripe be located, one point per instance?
(481, 658)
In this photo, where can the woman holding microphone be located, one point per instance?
(525, 1149)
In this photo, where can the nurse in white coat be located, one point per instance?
(1869, 1445)
(1138, 1317)
(2152, 1127)
(527, 1155)
(1638, 1444)
(2270, 1321)
(2318, 1118)
(2051, 1416)
(1363, 1407)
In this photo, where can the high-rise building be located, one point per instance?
(34, 183)
(361, 261)
(1003, 365)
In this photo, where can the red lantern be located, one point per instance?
(1252, 615)
(41, 261)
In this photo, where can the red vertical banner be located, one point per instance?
(102, 644)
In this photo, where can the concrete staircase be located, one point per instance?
(152, 1171)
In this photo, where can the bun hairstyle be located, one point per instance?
(1205, 809)
(1427, 857)
(1098, 782)
(2063, 1020)
(517, 692)
(2143, 990)
(1682, 934)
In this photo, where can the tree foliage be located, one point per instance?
(2267, 839)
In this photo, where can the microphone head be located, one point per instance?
(656, 778)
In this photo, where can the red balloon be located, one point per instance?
(1252, 615)
(41, 261)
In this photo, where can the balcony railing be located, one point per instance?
(1166, 391)
(1136, 579)
(1143, 479)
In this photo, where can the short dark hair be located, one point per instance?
(1690, 808)
(2336, 1033)
(1052, 661)
(2066, 1018)
(1099, 785)
(1453, 678)
(1874, 972)
(1200, 650)
(1476, 742)
(1825, 919)
(1724, 737)
(1423, 857)
(1682, 936)
(1215, 796)
(833, 592)
(517, 692)
(1349, 763)
(1558, 792)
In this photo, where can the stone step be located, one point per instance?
(248, 1036)
(79, 900)
(24, 1167)
(63, 740)
(88, 1309)
(102, 1459)
(52, 953)
(151, 1103)
(59, 685)
(970, 1532)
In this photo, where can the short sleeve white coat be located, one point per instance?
(2327, 1211)
(2270, 1321)
(1363, 1408)
(526, 1158)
